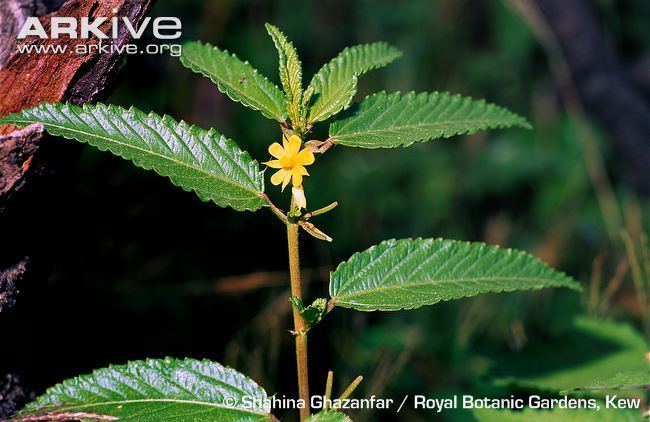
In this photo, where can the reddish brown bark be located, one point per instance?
(16, 153)
(28, 79)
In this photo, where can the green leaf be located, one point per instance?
(591, 350)
(237, 79)
(390, 121)
(336, 82)
(407, 274)
(313, 313)
(156, 390)
(290, 72)
(604, 414)
(193, 158)
(329, 416)
(620, 381)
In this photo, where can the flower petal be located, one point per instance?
(286, 161)
(274, 164)
(287, 178)
(294, 144)
(302, 170)
(296, 176)
(299, 196)
(305, 157)
(279, 176)
(276, 150)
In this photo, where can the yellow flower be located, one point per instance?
(290, 160)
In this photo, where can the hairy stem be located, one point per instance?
(328, 388)
(298, 321)
(277, 211)
(353, 386)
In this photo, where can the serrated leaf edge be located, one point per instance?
(352, 83)
(319, 78)
(521, 121)
(165, 118)
(291, 82)
(31, 408)
(335, 301)
(221, 85)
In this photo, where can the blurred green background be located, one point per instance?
(129, 267)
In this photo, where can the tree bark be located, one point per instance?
(29, 79)
(16, 153)
(9, 279)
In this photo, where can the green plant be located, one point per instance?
(391, 276)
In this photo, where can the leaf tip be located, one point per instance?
(270, 28)
(525, 124)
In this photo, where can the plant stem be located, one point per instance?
(320, 211)
(277, 211)
(328, 389)
(298, 321)
(353, 386)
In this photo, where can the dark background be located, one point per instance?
(126, 266)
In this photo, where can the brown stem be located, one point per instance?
(298, 321)
(277, 211)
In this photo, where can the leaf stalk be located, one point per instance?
(328, 389)
(348, 391)
(277, 211)
(320, 211)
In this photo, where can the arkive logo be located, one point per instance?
(163, 28)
